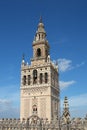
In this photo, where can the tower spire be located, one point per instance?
(40, 44)
(40, 33)
(66, 113)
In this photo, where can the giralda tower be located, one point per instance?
(39, 91)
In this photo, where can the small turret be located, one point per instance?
(23, 61)
(66, 113)
(66, 105)
(40, 45)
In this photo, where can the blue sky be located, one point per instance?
(66, 27)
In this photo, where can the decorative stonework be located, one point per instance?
(38, 90)
(43, 107)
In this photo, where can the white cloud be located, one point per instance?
(67, 84)
(8, 109)
(64, 64)
(81, 64)
(9, 102)
(79, 100)
(4, 101)
(4, 104)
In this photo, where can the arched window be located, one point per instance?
(34, 76)
(39, 36)
(24, 80)
(29, 78)
(34, 109)
(38, 52)
(41, 78)
(46, 77)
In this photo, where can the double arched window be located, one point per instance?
(45, 78)
(26, 80)
(34, 109)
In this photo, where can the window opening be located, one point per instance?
(46, 77)
(34, 76)
(38, 52)
(34, 109)
(24, 80)
(41, 78)
(29, 78)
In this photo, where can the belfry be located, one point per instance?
(39, 81)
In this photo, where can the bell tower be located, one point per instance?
(39, 91)
(40, 45)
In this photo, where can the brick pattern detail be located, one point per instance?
(26, 109)
(43, 107)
